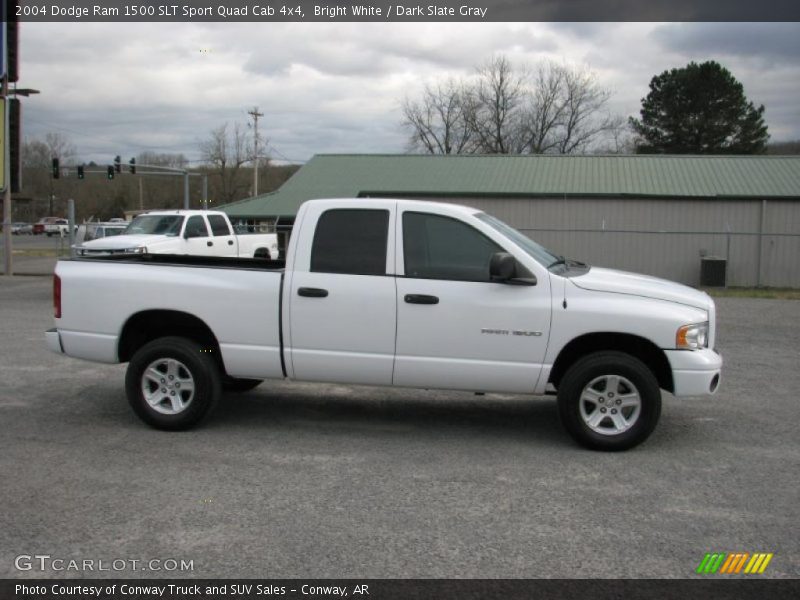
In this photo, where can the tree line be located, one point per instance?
(226, 158)
(553, 108)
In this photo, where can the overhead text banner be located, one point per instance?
(266, 11)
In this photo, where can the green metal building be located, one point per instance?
(645, 213)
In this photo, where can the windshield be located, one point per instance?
(155, 224)
(541, 254)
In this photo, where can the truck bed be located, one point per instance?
(238, 299)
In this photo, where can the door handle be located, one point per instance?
(421, 299)
(230, 242)
(209, 243)
(312, 292)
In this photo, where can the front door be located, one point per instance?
(455, 328)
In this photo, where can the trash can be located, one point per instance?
(713, 271)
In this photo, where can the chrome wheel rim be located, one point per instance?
(610, 404)
(167, 386)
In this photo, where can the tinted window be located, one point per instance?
(218, 225)
(351, 241)
(196, 227)
(436, 247)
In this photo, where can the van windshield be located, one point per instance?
(155, 224)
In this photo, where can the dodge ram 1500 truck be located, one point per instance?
(393, 293)
(195, 232)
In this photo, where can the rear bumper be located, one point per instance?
(695, 372)
(54, 341)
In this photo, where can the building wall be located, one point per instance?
(665, 238)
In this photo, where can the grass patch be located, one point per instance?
(744, 292)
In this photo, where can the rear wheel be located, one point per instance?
(171, 384)
(609, 401)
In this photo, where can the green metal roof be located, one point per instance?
(352, 175)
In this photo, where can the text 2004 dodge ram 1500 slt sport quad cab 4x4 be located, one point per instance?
(393, 292)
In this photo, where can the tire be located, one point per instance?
(234, 384)
(609, 382)
(172, 362)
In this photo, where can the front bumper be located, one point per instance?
(695, 372)
(54, 341)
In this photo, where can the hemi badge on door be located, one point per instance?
(510, 332)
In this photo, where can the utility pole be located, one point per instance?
(255, 114)
(7, 245)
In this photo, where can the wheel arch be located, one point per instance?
(148, 325)
(638, 347)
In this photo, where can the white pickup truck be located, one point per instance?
(195, 232)
(393, 293)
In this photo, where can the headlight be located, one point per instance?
(139, 250)
(692, 337)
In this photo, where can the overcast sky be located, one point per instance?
(121, 88)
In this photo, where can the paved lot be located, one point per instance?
(34, 254)
(334, 481)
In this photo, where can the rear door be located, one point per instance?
(456, 329)
(342, 295)
(224, 242)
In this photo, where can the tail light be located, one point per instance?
(57, 296)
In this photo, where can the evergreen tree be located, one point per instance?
(699, 109)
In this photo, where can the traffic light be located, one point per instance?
(56, 169)
(132, 166)
(81, 174)
(110, 172)
(118, 164)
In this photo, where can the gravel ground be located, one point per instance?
(302, 480)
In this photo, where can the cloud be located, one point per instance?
(772, 43)
(118, 88)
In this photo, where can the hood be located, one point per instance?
(120, 242)
(621, 282)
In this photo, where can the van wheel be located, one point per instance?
(171, 384)
(234, 384)
(609, 401)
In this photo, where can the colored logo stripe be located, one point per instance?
(711, 562)
(758, 563)
(734, 562)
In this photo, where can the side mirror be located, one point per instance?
(502, 267)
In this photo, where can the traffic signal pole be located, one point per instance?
(8, 248)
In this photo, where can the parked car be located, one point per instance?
(20, 228)
(197, 232)
(395, 293)
(96, 231)
(51, 226)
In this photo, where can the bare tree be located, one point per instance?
(557, 109)
(38, 155)
(437, 122)
(493, 107)
(224, 152)
(544, 110)
(162, 159)
(584, 105)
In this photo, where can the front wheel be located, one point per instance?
(609, 401)
(171, 384)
